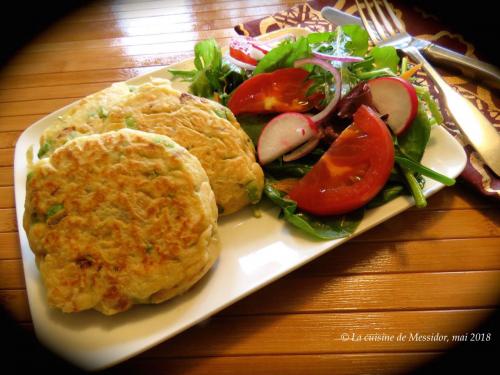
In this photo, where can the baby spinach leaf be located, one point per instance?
(387, 194)
(323, 228)
(278, 57)
(279, 169)
(253, 125)
(413, 142)
(300, 50)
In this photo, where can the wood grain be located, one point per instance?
(6, 196)
(9, 246)
(18, 123)
(432, 270)
(292, 295)
(318, 364)
(6, 176)
(8, 139)
(7, 220)
(16, 304)
(319, 333)
(6, 157)
(67, 78)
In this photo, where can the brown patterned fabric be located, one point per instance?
(424, 26)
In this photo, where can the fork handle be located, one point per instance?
(479, 131)
(470, 67)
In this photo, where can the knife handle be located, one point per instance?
(473, 124)
(470, 67)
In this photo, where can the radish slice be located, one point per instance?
(283, 134)
(302, 151)
(338, 85)
(348, 59)
(252, 48)
(397, 98)
(257, 53)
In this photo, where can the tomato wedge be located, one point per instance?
(283, 90)
(352, 171)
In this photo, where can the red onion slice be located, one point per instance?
(337, 58)
(338, 85)
(265, 46)
(261, 47)
(272, 42)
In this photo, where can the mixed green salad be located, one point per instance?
(338, 127)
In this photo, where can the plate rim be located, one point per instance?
(27, 255)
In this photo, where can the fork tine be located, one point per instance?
(378, 25)
(371, 31)
(384, 19)
(395, 19)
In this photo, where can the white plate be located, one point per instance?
(255, 253)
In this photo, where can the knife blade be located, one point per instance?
(470, 67)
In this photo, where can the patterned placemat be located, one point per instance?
(422, 25)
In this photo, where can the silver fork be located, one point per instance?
(478, 130)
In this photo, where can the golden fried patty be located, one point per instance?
(205, 128)
(120, 218)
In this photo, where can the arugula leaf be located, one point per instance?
(347, 40)
(212, 75)
(207, 55)
(380, 62)
(322, 37)
(425, 96)
(201, 86)
(323, 228)
(358, 43)
(385, 57)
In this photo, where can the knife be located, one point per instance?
(470, 67)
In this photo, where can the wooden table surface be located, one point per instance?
(427, 271)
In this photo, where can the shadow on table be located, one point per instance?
(28, 20)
